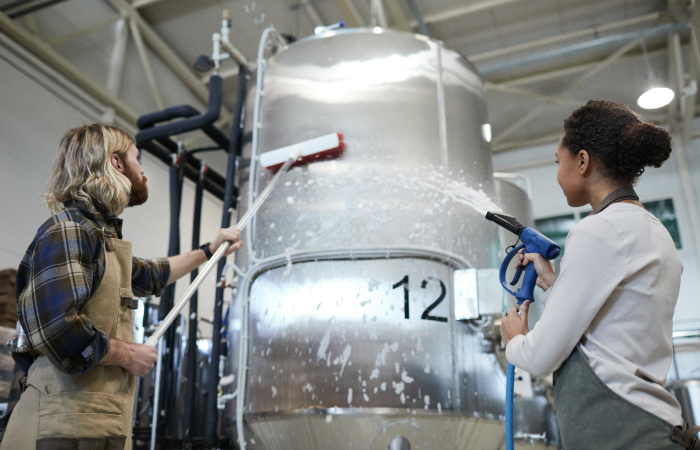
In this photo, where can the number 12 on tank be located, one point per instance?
(426, 314)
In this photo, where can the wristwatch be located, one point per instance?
(206, 249)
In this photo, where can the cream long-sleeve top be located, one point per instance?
(615, 296)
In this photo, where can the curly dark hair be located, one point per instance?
(617, 137)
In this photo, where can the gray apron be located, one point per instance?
(590, 414)
(92, 410)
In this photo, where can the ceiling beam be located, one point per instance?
(569, 71)
(462, 11)
(350, 13)
(397, 13)
(554, 40)
(47, 54)
(520, 143)
(525, 93)
(312, 13)
(181, 69)
(579, 81)
(143, 3)
(146, 63)
(83, 31)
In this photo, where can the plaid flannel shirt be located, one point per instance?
(61, 269)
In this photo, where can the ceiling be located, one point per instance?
(540, 59)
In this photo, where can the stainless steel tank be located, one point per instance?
(343, 331)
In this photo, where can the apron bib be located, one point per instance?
(92, 410)
(590, 414)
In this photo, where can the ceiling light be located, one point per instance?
(656, 97)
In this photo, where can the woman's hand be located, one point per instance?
(512, 325)
(543, 267)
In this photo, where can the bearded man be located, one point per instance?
(75, 289)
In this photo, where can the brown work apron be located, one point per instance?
(92, 410)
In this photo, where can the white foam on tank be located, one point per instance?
(374, 374)
(349, 396)
(398, 387)
(383, 386)
(396, 366)
(439, 409)
(366, 397)
(344, 358)
(323, 346)
(403, 398)
(405, 378)
(426, 399)
(394, 347)
(274, 391)
(427, 368)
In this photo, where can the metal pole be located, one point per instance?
(194, 306)
(211, 404)
(156, 397)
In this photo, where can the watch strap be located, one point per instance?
(207, 251)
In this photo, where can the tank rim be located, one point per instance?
(360, 411)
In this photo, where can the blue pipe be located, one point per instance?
(510, 382)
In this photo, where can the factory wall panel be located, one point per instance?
(36, 111)
(655, 184)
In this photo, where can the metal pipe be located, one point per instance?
(252, 170)
(422, 27)
(212, 411)
(193, 123)
(156, 397)
(33, 8)
(188, 420)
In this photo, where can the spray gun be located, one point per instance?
(533, 242)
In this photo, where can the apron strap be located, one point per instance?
(624, 193)
(686, 437)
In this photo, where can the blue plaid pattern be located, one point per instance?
(61, 269)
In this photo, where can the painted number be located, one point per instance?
(426, 314)
(404, 283)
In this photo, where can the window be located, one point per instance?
(666, 213)
(558, 227)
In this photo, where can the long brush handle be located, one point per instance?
(175, 311)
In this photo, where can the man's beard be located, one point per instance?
(139, 190)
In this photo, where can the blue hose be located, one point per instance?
(510, 381)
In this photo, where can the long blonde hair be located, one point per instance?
(83, 170)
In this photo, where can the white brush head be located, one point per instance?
(302, 149)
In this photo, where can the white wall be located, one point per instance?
(35, 112)
(655, 184)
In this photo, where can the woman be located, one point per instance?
(607, 324)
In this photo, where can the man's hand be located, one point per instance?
(512, 325)
(137, 359)
(233, 235)
(543, 267)
(181, 265)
